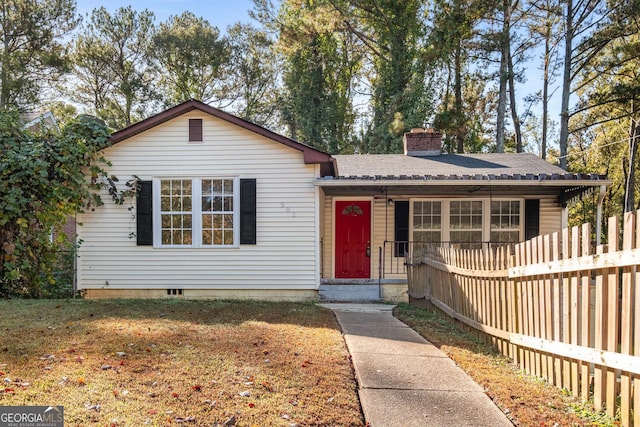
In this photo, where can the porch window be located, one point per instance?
(427, 221)
(197, 212)
(465, 219)
(465, 223)
(505, 221)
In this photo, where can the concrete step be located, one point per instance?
(349, 292)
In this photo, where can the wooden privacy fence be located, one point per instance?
(556, 308)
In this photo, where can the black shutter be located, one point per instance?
(195, 129)
(401, 228)
(531, 218)
(144, 214)
(248, 211)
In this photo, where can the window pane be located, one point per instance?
(228, 221)
(217, 204)
(165, 204)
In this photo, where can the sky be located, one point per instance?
(219, 13)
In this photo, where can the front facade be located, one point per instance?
(227, 209)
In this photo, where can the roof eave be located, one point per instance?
(461, 182)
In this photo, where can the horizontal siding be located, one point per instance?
(285, 254)
(550, 216)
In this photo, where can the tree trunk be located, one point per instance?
(629, 191)
(545, 91)
(566, 85)
(513, 104)
(503, 75)
(458, 100)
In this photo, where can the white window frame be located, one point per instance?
(196, 211)
(446, 213)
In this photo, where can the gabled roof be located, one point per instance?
(311, 155)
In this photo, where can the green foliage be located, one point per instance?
(321, 62)
(190, 54)
(401, 97)
(42, 184)
(31, 52)
(251, 72)
(112, 56)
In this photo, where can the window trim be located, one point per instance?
(196, 211)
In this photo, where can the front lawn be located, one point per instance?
(160, 363)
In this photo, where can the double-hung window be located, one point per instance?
(196, 212)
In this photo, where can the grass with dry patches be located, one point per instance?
(159, 363)
(527, 400)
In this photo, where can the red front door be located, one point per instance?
(353, 239)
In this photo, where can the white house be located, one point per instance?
(228, 209)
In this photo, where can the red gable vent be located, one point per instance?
(195, 130)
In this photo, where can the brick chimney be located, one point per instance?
(422, 142)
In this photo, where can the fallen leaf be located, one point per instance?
(196, 387)
(81, 381)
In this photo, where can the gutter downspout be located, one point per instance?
(603, 191)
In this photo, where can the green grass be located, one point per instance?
(158, 363)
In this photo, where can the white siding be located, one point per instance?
(550, 216)
(285, 256)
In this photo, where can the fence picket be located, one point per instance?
(557, 284)
(612, 317)
(636, 328)
(599, 372)
(626, 313)
(566, 309)
(585, 315)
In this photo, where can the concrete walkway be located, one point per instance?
(403, 380)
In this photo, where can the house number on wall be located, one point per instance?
(288, 210)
